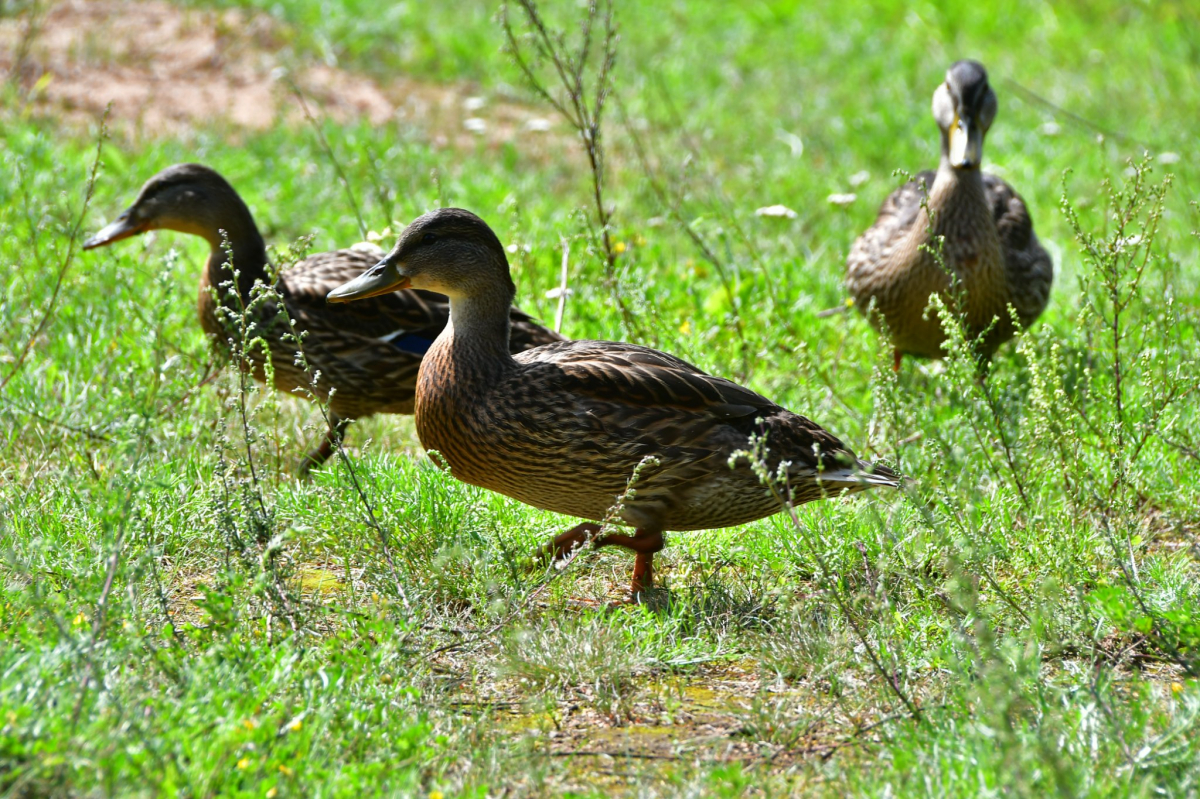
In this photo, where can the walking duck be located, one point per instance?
(988, 239)
(367, 354)
(564, 427)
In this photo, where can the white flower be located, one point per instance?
(776, 211)
(842, 199)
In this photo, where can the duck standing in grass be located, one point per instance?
(988, 243)
(565, 426)
(367, 354)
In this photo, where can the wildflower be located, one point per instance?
(781, 211)
(296, 725)
(79, 620)
(619, 247)
(272, 792)
(243, 764)
(686, 327)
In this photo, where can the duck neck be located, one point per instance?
(957, 188)
(958, 204)
(236, 245)
(476, 339)
(963, 216)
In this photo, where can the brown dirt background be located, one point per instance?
(167, 70)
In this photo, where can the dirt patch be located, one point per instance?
(167, 70)
(722, 712)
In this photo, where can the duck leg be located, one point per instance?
(645, 543)
(328, 446)
(897, 357)
(566, 543)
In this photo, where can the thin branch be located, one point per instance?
(337, 167)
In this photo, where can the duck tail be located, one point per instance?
(861, 476)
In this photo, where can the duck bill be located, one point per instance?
(966, 145)
(123, 228)
(381, 278)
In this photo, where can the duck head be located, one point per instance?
(450, 251)
(964, 107)
(189, 198)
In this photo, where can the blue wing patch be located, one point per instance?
(416, 343)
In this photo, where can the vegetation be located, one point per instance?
(179, 614)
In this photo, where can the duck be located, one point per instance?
(619, 435)
(988, 245)
(366, 357)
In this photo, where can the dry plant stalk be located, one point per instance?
(583, 102)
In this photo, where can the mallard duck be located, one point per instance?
(564, 427)
(367, 354)
(988, 239)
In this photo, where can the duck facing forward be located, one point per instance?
(563, 427)
(367, 354)
(988, 238)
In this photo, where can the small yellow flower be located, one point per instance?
(249, 724)
(619, 247)
(385, 678)
(244, 763)
(435, 795)
(79, 620)
(284, 770)
(639, 240)
(272, 792)
(849, 302)
(686, 327)
(296, 725)
(1176, 687)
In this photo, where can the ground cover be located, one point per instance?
(1023, 617)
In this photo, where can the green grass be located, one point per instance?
(172, 625)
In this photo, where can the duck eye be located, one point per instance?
(429, 238)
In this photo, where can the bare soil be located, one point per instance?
(167, 70)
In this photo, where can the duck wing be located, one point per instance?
(408, 321)
(1029, 268)
(896, 217)
(651, 403)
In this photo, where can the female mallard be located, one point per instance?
(987, 238)
(564, 427)
(367, 355)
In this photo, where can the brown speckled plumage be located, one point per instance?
(368, 354)
(988, 238)
(563, 426)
